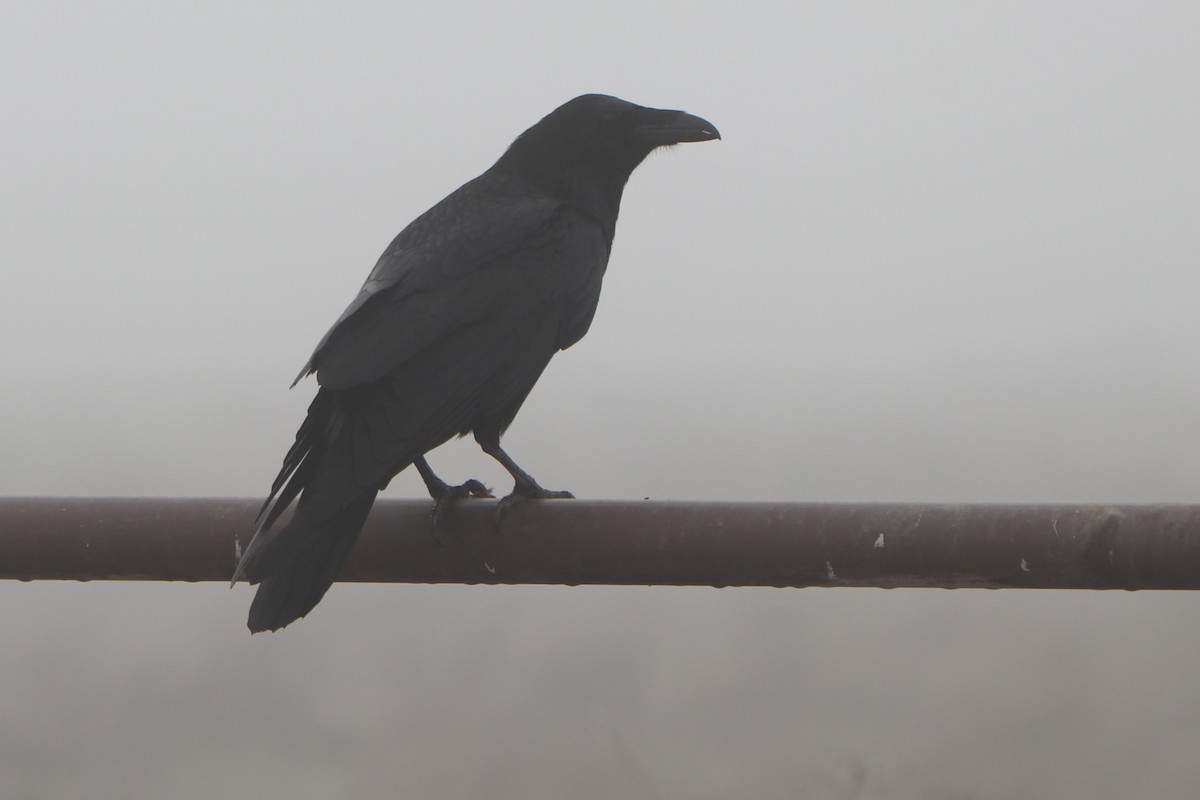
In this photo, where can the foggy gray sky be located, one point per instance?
(942, 254)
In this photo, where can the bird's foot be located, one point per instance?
(522, 492)
(446, 496)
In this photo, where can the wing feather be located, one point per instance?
(435, 274)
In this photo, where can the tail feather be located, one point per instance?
(332, 483)
(296, 473)
(308, 438)
(299, 565)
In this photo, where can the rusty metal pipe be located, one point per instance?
(638, 542)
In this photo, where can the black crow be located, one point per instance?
(450, 332)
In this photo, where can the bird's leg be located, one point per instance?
(526, 488)
(444, 494)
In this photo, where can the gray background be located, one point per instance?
(943, 254)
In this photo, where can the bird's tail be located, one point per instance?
(299, 565)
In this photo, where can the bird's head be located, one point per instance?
(598, 123)
(602, 137)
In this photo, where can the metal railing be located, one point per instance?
(635, 542)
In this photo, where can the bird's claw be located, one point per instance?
(447, 498)
(522, 493)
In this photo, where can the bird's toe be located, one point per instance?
(522, 493)
(447, 498)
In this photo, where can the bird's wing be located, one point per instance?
(483, 252)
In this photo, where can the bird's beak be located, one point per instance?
(662, 127)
